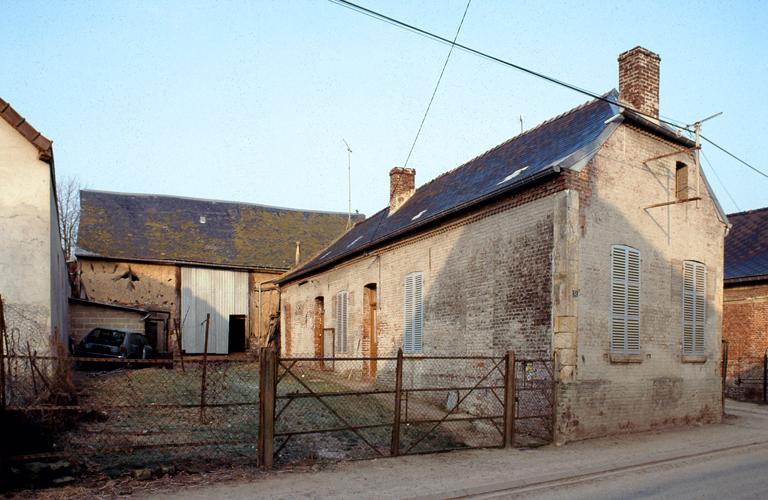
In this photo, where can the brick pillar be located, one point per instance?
(565, 292)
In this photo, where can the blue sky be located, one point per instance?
(249, 101)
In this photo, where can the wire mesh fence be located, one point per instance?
(747, 378)
(534, 401)
(114, 415)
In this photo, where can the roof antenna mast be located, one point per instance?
(349, 182)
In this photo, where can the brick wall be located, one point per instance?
(532, 272)
(745, 328)
(487, 285)
(84, 318)
(602, 395)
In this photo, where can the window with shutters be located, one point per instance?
(694, 307)
(341, 322)
(413, 334)
(625, 300)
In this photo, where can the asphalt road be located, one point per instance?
(736, 474)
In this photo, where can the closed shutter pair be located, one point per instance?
(625, 303)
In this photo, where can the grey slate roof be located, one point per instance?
(566, 141)
(746, 246)
(154, 228)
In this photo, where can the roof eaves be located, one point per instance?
(304, 271)
(37, 139)
(86, 302)
(746, 279)
(85, 254)
(656, 128)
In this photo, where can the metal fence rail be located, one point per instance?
(747, 378)
(356, 407)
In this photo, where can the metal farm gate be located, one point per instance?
(329, 409)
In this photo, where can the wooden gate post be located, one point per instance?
(395, 447)
(205, 371)
(509, 399)
(724, 368)
(267, 388)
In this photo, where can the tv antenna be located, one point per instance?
(349, 182)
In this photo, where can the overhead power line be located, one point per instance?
(722, 184)
(439, 79)
(400, 24)
(485, 55)
(735, 157)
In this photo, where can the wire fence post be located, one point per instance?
(725, 372)
(395, 447)
(2, 354)
(765, 377)
(555, 390)
(267, 389)
(205, 369)
(509, 399)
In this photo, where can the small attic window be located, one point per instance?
(202, 219)
(681, 181)
(512, 175)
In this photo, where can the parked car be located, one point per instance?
(107, 343)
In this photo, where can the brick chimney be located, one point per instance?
(402, 184)
(639, 80)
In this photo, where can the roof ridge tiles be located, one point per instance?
(211, 200)
(745, 212)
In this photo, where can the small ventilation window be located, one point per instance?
(681, 181)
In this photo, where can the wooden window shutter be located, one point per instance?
(694, 307)
(413, 324)
(341, 321)
(625, 300)
(681, 181)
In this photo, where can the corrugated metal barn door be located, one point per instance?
(214, 292)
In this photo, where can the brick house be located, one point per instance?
(34, 283)
(745, 302)
(179, 259)
(589, 236)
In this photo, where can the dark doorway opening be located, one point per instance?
(237, 333)
(370, 342)
(153, 329)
